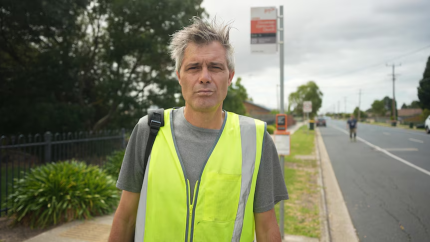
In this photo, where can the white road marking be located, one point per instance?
(387, 153)
(386, 133)
(416, 140)
(401, 149)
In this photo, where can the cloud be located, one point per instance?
(341, 45)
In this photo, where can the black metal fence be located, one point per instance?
(20, 153)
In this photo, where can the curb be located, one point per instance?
(339, 223)
(325, 230)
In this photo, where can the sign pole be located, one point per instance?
(281, 63)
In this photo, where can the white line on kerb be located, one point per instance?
(416, 140)
(387, 153)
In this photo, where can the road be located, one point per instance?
(384, 178)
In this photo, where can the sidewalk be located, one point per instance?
(98, 229)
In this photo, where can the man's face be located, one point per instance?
(204, 76)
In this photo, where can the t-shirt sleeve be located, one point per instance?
(270, 187)
(131, 174)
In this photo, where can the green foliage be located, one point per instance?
(60, 192)
(414, 104)
(378, 107)
(113, 164)
(271, 129)
(424, 88)
(424, 115)
(363, 115)
(235, 96)
(308, 92)
(86, 65)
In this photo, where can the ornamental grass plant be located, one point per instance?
(61, 192)
(113, 163)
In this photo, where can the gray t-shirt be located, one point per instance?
(194, 145)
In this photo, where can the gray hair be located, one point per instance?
(200, 32)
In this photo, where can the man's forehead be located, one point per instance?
(213, 52)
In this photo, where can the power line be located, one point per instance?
(378, 64)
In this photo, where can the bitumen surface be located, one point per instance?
(98, 229)
(384, 178)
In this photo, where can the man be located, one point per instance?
(212, 175)
(352, 124)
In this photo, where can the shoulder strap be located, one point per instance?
(155, 122)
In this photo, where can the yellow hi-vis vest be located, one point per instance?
(223, 200)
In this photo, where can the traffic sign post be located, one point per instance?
(264, 31)
(307, 108)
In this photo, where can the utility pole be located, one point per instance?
(359, 101)
(277, 98)
(393, 105)
(281, 63)
(338, 108)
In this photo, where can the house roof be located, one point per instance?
(409, 112)
(257, 105)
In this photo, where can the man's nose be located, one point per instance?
(205, 75)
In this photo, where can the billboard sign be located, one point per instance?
(263, 30)
(307, 106)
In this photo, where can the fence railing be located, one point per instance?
(20, 153)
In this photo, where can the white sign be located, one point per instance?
(307, 106)
(263, 30)
(282, 143)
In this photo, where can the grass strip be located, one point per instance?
(302, 209)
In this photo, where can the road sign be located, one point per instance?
(282, 143)
(263, 30)
(307, 106)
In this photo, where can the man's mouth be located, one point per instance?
(205, 92)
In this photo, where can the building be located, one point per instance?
(260, 112)
(410, 115)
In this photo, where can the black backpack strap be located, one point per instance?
(155, 122)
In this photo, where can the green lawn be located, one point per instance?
(302, 209)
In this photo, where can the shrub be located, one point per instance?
(271, 129)
(61, 192)
(113, 163)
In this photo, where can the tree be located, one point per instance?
(362, 115)
(378, 107)
(424, 88)
(235, 96)
(414, 104)
(388, 103)
(308, 92)
(86, 64)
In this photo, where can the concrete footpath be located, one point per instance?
(335, 217)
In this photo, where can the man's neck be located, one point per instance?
(207, 120)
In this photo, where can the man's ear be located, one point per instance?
(230, 77)
(179, 77)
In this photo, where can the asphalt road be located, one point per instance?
(385, 180)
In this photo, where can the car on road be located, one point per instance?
(427, 125)
(321, 122)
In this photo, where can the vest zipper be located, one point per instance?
(192, 209)
(188, 210)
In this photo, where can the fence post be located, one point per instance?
(48, 137)
(123, 137)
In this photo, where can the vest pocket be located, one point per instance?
(222, 197)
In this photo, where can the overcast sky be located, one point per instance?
(342, 45)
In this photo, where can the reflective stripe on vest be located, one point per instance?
(223, 199)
